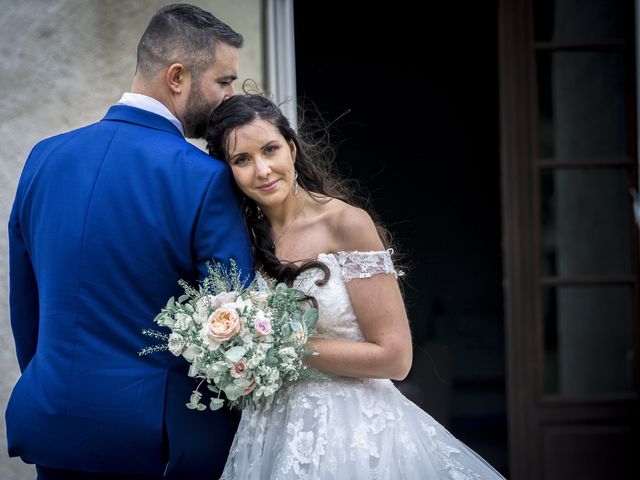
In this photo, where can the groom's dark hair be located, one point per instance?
(183, 33)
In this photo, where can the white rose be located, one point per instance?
(200, 316)
(183, 321)
(191, 352)
(176, 344)
(259, 299)
(208, 303)
(204, 305)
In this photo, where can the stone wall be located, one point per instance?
(64, 62)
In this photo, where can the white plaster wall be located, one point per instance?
(62, 64)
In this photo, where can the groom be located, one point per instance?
(106, 220)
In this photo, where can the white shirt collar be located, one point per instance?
(150, 105)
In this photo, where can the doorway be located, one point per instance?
(390, 121)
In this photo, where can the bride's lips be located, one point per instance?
(267, 187)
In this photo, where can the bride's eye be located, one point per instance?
(271, 149)
(239, 161)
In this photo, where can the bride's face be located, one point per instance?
(262, 162)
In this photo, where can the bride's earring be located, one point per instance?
(296, 186)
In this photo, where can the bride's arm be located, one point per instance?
(379, 308)
(386, 351)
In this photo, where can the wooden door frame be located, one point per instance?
(517, 183)
(530, 411)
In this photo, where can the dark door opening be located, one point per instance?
(426, 147)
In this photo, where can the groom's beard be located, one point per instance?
(197, 115)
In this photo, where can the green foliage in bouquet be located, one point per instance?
(243, 343)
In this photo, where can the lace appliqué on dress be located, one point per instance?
(346, 428)
(366, 264)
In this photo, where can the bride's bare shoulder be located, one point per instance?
(352, 228)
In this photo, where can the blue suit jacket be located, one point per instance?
(106, 220)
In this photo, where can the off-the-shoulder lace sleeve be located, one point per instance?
(366, 264)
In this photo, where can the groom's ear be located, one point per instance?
(176, 77)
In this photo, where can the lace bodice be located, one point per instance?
(336, 318)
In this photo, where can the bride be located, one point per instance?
(306, 232)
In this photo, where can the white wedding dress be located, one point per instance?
(346, 428)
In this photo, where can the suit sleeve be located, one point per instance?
(23, 293)
(220, 231)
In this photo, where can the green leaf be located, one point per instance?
(310, 317)
(234, 354)
(183, 298)
(295, 327)
(216, 404)
(201, 407)
(286, 330)
(271, 360)
(233, 392)
(242, 382)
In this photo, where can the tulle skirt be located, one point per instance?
(348, 429)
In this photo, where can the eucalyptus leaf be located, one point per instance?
(242, 382)
(234, 354)
(233, 392)
(296, 327)
(216, 404)
(310, 317)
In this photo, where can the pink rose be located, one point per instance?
(223, 324)
(263, 326)
(238, 369)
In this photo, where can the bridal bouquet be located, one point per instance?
(240, 342)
